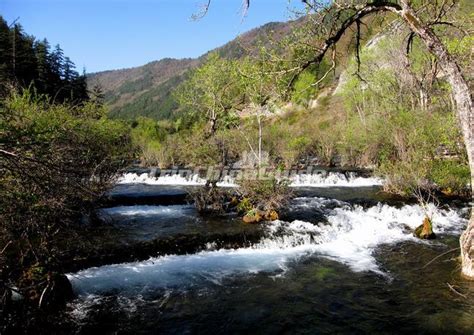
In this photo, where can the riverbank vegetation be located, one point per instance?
(59, 153)
(57, 160)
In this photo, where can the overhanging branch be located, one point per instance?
(360, 12)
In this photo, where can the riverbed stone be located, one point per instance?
(254, 216)
(425, 230)
(271, 215)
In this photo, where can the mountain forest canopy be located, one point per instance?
(28, 62)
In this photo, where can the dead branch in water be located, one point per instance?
(456, 291)
(443, 254)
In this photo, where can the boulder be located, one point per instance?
(57, 292)
(254, 216)
(425, 230)
(271, 215)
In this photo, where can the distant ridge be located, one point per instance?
(147, 90)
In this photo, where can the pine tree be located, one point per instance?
(27, 62)
(43, 70)
(69, 74)
(25, 59)
(56, 60)
(97, 94)
(6, 74)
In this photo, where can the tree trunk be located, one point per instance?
(259, 119)
(464, 111)
(212, 124)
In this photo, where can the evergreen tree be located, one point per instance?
(43, 65)
(56, 60)
(25, 62)
(5, 52)
(69, 74)
(25, 69)
(97, 94)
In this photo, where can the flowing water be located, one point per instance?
(318, 178)
(340, 260)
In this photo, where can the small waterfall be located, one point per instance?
(331, 179)
(350, 236)
(317, 179)
(174, 179)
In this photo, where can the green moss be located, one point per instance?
(322, 273)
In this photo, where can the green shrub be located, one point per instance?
(56, 161)
(265, 193)
(452, 176)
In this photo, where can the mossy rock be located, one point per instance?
(244, 205)
(425, 230)
(323, 273)
(448, 192)
(271, 215)
(254, 216)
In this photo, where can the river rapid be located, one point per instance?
(342, 259)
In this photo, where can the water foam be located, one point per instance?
(174, 179)
(329, 179)
(353, 234)
(332, 179)
(147, 210)
(350, 236)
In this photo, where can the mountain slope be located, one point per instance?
(129, 92)
(147, 90)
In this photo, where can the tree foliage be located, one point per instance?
(25, 62)
(211, 92)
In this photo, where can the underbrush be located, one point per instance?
(263, 194)
(56, 161)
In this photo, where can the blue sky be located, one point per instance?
(112, 34)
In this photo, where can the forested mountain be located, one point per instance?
(146, 90)
(26, 61)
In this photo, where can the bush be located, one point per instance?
(451, 176)
(264, 194)
(56, 160)
(210, 200)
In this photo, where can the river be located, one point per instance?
(342, 259)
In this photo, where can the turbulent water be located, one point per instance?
(329, 179)
(350, 236)
(147, 211)
(329, 269)
(174, 179)
(333, 179)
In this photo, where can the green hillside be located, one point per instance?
(146, 90)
